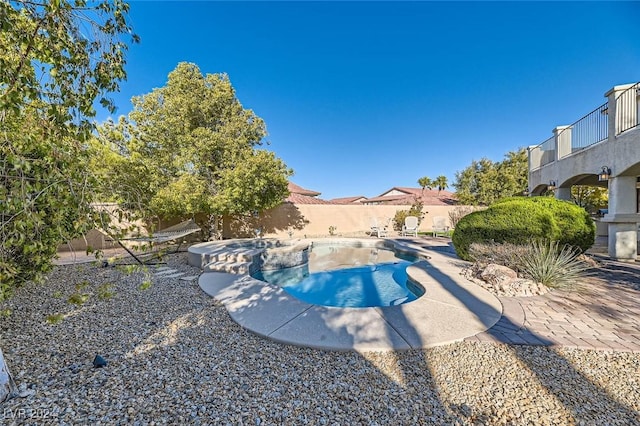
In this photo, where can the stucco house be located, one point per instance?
(300, 195)
(358, 199)
(399, 195)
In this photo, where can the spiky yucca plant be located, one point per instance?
(554, 266)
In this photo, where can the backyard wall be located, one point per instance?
(97, 239)
(93, 238)
(311, 220)
(315, 220)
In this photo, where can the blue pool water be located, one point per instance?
(373, 284)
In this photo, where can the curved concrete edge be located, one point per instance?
(451, 310)
(198, 253)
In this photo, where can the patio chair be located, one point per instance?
(410, 226)
(440, 226)
(379, 227)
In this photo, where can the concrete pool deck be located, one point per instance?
(452, 309)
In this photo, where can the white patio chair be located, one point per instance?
(440, 226)
(410, 226)
(379, 227)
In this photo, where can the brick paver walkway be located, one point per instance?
(604, 314)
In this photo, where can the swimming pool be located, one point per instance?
(344, 276)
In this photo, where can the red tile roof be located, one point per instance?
(295, 189)
(305, 199)
(349, 200)
(430, 197)
(300, 195)
(407, 196)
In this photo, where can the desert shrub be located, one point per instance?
(400, 216)
(458, 213)
(398, 219)
(505, 254)
(552, 264)
(546, 262)
(522, 220)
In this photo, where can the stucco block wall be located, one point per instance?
(311, 220)
(315, 220)
(94, 239)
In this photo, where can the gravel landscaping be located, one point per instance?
(175, 357)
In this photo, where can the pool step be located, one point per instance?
(212, 256)
(235, 261)
(239, 268)
(238, 255)
(242, 257)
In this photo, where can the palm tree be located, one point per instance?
(441, 183)
(425, 182)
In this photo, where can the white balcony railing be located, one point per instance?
(591, 129)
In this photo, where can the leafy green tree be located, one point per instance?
(57, 59)
(591, 198)
(190, 147)
(485, 181)
(513, 173)
(476, 184)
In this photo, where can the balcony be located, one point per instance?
(611, 119)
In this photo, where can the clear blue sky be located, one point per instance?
(359, 97)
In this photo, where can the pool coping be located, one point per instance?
(452, 309)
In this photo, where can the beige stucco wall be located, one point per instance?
(98, 239)
(94, 239)
(311, 220)
(315, 220)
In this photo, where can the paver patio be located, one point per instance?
(603, 314)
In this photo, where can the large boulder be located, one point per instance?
(498, 274)
(503, 281)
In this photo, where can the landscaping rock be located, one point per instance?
(525, 287)
(503, 281)
(498, 274)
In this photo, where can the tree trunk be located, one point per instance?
(7, 385)
(215, 232)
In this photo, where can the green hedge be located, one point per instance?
(521, 220)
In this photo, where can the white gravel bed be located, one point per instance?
(175, 357)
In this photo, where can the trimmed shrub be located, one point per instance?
(523, 220)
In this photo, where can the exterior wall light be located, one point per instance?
(552, 185)
(604, 174)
